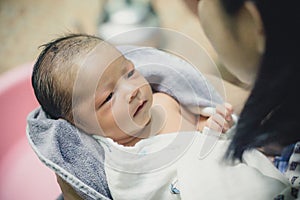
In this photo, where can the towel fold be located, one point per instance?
(77, 157)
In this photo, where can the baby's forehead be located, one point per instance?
(104, 50)
(101, 63)
(101, 57)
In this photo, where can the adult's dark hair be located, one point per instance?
(271, 113)
(55, 71)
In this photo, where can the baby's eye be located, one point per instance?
(108, 98)
(130, 74)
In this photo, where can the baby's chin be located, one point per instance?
(143, 119)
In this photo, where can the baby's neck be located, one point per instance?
(157, 122)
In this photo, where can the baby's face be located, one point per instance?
(122, 97)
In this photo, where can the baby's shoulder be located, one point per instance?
(165, 100)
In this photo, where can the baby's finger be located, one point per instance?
(229, 107)
(226, 127)
(221, 109)
(212, 124)
(219, 119)
(229, 118)
(229, 112)
(226, 110)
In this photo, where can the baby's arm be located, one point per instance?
(221, 120)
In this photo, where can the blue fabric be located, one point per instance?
(77, 157)
(282, 161)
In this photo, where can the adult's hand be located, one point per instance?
(68, 192)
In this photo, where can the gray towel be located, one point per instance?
(77, 157)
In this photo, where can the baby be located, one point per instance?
(89, 83)
(122, 100)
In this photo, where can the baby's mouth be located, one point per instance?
(140, 107)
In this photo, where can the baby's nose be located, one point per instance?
(132, 95)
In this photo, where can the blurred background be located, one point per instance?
(25, 25)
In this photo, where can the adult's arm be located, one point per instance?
(68, 192)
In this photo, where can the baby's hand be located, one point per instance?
(222, 120)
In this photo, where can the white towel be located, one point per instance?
(155, 168)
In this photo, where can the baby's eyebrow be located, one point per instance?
(100, 96)
(98, 100)
(108, 84)
(103, 87)
(124, 69)
(124, 65)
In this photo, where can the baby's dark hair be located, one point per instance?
(55, 71)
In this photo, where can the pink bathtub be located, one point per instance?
(22, 175)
